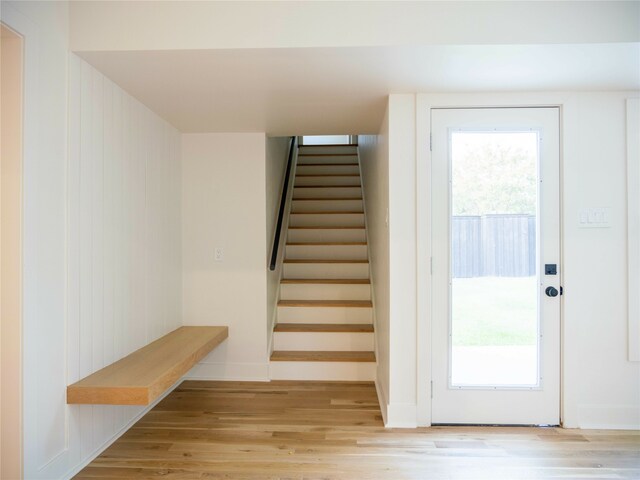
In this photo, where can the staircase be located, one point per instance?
(324, 329)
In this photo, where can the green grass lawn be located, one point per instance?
(494, 311)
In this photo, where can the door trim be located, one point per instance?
(424, 104)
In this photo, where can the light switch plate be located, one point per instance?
(597, 217)
(218, 254)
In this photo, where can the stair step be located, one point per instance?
(327, 314)
(325, 291)
(345, 281)
(327, 191)
(300, 244)
(322, 260)
(321, 356)
(346, 212)
(326, 303)
(340, 219)
(327, 154)
(323, 327)
(326, 251)
(327, 174)
(356, 185)
(313, 341)
(324, 199)
(323, 227)
(326, 234)
(354, 164)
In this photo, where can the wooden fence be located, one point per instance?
(493, 245)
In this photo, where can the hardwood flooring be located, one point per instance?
(318, 430)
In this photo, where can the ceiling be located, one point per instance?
(292, 91)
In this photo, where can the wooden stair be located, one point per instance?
(325, 327)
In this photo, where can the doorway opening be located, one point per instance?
(496, 266)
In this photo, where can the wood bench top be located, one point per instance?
(144, 375)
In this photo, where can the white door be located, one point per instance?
(496, 266)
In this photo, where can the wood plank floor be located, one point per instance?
(318, 430)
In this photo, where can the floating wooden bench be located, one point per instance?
(144, 375)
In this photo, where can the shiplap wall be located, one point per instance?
(124, 234)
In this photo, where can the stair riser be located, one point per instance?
(330, 220)
(326, 270)
(306, 159)
(315, 341)
(323, 371)
(330, 315)
(347, 252)
(328, 180)
(327, 169)
(304, 291)
(327, 149)
(326, 235)
(328, 192)
(300, 206)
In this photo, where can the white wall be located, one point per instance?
(77, 210)
(374, 161)
(223, 206)
(47, 453)
(226, 25)
(123, 248)
(389, 172)
(601, 386)
(277, 154)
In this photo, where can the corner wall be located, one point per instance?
(374, 165)
(223, 206)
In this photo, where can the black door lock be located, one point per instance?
(551, 292)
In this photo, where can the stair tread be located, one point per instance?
(326, 186)
(327, 164)
(329, 213)
(324, 327)
(321, 356)
(326, 303)
(323, 260)
(327, 175)
(324, 199)
(329, 145)
(314, 244)
(324, 227)
(328, 281)
(327, 154)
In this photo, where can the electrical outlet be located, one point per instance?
(218, 255)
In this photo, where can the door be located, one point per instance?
(496, 266)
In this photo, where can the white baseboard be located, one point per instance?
(382, 400)
(402, 415)
(609, 417)
(242, 372)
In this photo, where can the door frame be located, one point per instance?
(424, 104)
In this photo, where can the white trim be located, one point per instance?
(23, 26)
(382, 400)
(633, 215)
(401, 415)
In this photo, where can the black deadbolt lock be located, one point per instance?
(550, 269)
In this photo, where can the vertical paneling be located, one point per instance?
(123, 239)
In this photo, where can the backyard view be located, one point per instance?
(493, 255)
